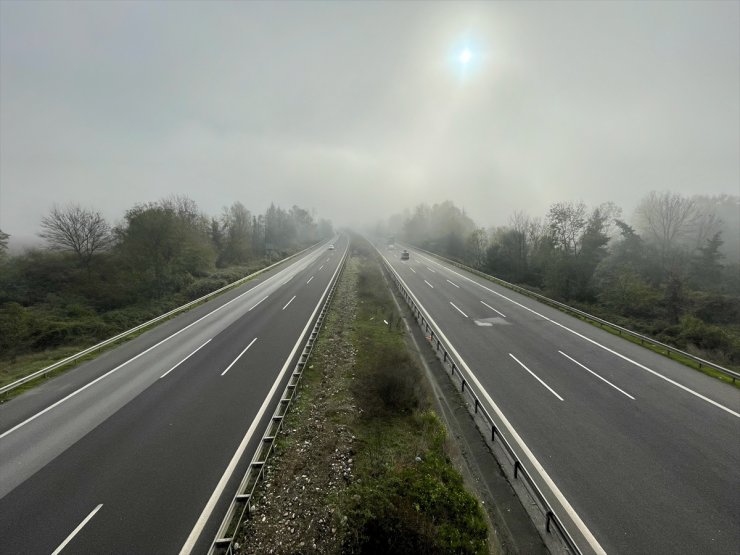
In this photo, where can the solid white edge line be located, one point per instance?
(183, 360)
(240, 356)
(216, 495)
(309, 280)
(109, 372)
(496, 311)
(595, 374)
(550, 389)
(290, 301)
(429, 284)
(178, 332)
(455, 284)
(76, 530)
(592, 341)
(257, 303)
(460, 311)
(567, 507)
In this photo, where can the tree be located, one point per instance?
(476, 248)
(668, 221)
(164, 245)
(706, 270)
(3, 244)
(566, 222)
(237, 223)
(84, 232)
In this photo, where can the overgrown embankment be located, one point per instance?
(363, 466)
(57, 327)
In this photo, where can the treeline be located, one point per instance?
(94, 279)
(671, 271)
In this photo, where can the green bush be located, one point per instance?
(420, 508)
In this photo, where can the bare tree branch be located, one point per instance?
(76, 229)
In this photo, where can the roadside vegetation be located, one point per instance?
(363, 466)
(93, 281)
(671, 272)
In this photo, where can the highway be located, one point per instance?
(638, 453)
(141, 450)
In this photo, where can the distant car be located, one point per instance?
(331, 247)
(405, 255)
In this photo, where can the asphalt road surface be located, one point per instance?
(141, 450)
(638, 453)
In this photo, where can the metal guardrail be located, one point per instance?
(242, 502)
(97, 347)
(519, 469)
(644, 339)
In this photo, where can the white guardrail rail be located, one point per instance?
(241, 504)
(511, 462)
(644, 339)
(102, 344)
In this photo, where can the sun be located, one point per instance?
(465, 56)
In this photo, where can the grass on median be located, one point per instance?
(363, 465)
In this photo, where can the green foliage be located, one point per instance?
(674, 263)
(421, 507)
(410, 499)
(163, 257)
(13, 328)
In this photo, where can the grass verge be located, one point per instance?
(671, 354)
(12, 369)
(363, 466)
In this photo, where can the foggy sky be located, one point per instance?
(358, 110)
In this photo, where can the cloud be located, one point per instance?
(359, 110)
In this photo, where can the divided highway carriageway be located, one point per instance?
(141, 450)
(635, 452)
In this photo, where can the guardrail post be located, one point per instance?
(517, 466)
(462, 388)
(476, 405)
(493, 433)
(547, 522)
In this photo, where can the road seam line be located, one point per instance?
(76, 530)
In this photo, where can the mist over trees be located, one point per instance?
(94, 279)
(672, 270)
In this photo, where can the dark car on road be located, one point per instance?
(405, 255)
